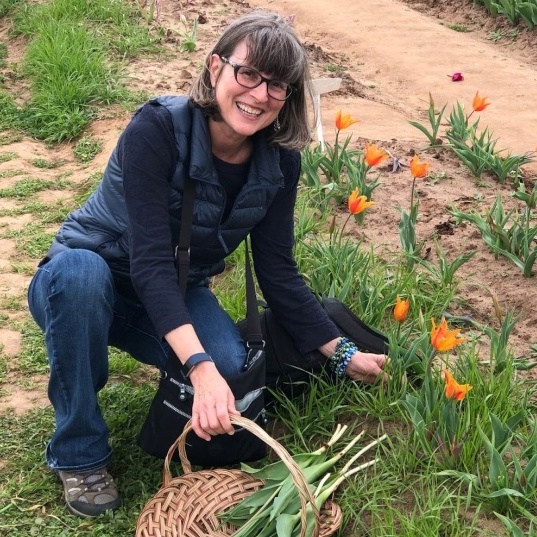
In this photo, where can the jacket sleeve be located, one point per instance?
(282, 285)
(148, 155)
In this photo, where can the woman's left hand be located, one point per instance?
(367, 367)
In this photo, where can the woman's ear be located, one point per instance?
(215, 65)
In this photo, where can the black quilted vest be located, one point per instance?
(101, 223)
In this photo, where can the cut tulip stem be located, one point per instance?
(361, 452)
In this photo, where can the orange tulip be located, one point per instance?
(374, 156)
(401, 309)
(344, 120)
(418, 169)
(357, 203)
(454, 390)
(480, 103)
(443, 339)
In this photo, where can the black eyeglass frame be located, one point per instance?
(236, 67)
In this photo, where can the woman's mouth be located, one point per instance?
(254, 112)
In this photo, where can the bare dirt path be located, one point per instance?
(401, 54)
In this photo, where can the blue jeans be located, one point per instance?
(74, 301)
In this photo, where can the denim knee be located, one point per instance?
(77, 280)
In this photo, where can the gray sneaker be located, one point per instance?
(89, 494)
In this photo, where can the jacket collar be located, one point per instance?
(265, 165)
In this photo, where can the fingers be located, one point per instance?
(367, 367)
(211, 414)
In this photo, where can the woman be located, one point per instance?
(109, 277)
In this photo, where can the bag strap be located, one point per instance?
(182, 251)
(254, 334)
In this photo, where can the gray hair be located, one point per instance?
(275, 49)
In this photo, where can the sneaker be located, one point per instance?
(91, 493)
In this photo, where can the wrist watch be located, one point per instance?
(193, 361)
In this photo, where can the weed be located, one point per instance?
(334, 68)
(3, 54)
(459, 28)
(6, 157)
(435, 120)
(87, 148)
(498, 35)
(46, 164)
(10, 138)
(189, 36)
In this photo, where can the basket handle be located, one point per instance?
(296, 473)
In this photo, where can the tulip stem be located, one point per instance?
(412, 194)
(342, 228)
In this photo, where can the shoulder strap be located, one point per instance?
(182, 252)
(254, 334)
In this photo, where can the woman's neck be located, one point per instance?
(228, 147)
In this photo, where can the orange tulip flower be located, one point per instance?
(357, 203)
(344, 120)
(418, 169)
(443, 339)
(454, 390)
(374, 156)
(480, 103)
(401, 309)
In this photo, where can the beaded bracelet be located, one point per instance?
(345, 350)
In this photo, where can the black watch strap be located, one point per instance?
(194, 360)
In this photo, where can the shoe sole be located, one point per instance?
(112, 506)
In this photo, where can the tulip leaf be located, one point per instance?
(285, 525)
(504, 492)
(278, 470)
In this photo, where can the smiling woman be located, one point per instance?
(110, 277)
(274, 53)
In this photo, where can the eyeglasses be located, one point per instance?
(250, 78)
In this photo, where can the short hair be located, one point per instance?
(273, 48)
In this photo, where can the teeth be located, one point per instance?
(248, 110)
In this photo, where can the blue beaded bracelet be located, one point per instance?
(345, 350)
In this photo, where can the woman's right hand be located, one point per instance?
(213, 402)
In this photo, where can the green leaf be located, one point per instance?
(285, 525)
(504, 492)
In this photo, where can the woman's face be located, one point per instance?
(245, 111)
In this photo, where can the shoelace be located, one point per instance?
(91, 482)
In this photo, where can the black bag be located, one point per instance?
(288, 370)
(171, 408)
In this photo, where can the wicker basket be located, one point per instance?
(187, 506)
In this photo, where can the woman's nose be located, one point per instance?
(260, 92)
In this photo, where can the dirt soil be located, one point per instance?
(390, 54)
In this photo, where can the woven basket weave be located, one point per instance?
(188, 505)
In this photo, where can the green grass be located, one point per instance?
(45, 164)
(412, 491)
(73, 64)
(26, 187)
(6, 157)
(87, 148)
(459, 28)
(7, 6)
